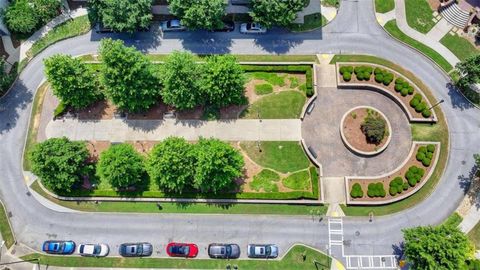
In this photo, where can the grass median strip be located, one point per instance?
(294, 259)
(384, 6)
(240, 58)
(5, 229)
(459, 46)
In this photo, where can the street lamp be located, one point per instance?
(436, 104)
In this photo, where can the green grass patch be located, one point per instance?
(392, 28)
(297, 181)
(266, 180)
(294, 82)
(34, 122)
(384, 6)
(330, 3)
(5, 229)
(459, 46)
(292, 260)
(310, 22)
(247, 58)
(270, 77)
(263, 89)
(283, 157)
(453, 220)
(282, 105)
(68, 29)
(428, 132)
(419, 15)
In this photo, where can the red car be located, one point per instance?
(182, 250)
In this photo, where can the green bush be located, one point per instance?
(387, 79)
(378, 71)
(347, 76)
(420, 107)
(424, 154)
(414, 102)
(344, 69)
(414, 175)
(418, 96)
(429, 155)
(398, 87)
(374, 128)
(379, 77)
(405, 186)
(356, 191)
(426, 162)
(431, 148)
(263, 89)
(376, 190)
(410, 90)
(422, 149)
(399, 81)
(420, 156)
(60, 110)
(426, 113)
(396, 186)
(309, 92)
(359, 76)
(404, 92)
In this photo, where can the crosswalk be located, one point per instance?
(336, 244)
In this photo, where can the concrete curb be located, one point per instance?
(403, 195)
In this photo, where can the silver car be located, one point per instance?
(172, 25)
(224, 251)
(252, 28)
(262, 251)
(135, 249)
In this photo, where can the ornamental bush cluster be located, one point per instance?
(383, 76)
(425, 154)
(374, 127)
(397, 186)
(414, 175)
(356, 191)
(420, 106)
(376, 190)
(403, 87)
(346, 72)
(363, 73)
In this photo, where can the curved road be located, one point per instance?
(353, 31)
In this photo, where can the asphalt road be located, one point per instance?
(353, 31)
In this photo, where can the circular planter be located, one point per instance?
(369, 149)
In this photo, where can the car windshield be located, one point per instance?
(81, 249)
(96, 250)
(56, 246)
(180, 250)
(268, 250)
(228, 250)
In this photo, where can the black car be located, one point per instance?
(228, 26)
(135, 249)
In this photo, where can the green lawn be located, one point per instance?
(5, 229)
(428, 132)
(297, 181)
(186, 208)
(392, 28)
(330, 3)
(419, 15)
(459, 46)
(281, 105)
(244, 58)
(270, 77)
(384, 6)
(266, 180)
(292, 260)
(283, 157)
(263, 89)
(310, 22)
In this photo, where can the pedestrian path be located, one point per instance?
(383, 18)
(119, 130)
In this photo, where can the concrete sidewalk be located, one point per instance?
(118, 130)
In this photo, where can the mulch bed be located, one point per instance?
(353, 132)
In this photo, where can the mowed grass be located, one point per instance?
(281, 105)
(263, 89)
(270, 77)
(392, 28)
(425, 132)
(281, 156)
(184, 208)
(384, 6)
(419, 15)
(292, 260)
(310, 22)
(459, 46)
(5, 229)
(248, 58)
(266, 181)
(297, 181)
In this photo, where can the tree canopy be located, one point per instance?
(121, 166)
(46, 10)
(218, 165)
(436, 248)
(72, 82)
(199, 14)
(122, 15)
(275, 12)
(59, 163)
(25, 16)
(171, 164)
(223, 81)
(470, 70)
(128, 77)
(181, 81)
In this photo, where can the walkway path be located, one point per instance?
(154, 130)
(431, 39)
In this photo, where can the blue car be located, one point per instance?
(58, 247)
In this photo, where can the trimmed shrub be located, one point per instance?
(379, 78)
(347, 76)
(420, 156)
(356, 191)
(344, 69)
(426, 162)
(376, 190)
(431, 148)
(414, 175)
(398, 87)
(359, 69)
(422, 149)
(399, 81)
(374, 128)
(410, 90)
(396, 186)
(377, 70)
(309, 92)
(414, 102)
(426, 113)
(421, 106)
(387, 79)
(418, 96)
(405, 186)
(359, 76)
(429, 155)
(404, 92)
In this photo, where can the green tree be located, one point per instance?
(223, 81)
(275, 12)
(171, 164)
(59, 163)
(374, 128)
(477, 159)
(470, 70)
(72, 82)
(181, 84)
(46, 10)
(20, 17)
(121, 166)
(122, 15)
(436, 248)
(218, 165)
(128, 77)
(199, 14)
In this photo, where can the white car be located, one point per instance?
(252, 28)
(172, 25)
(93, 250)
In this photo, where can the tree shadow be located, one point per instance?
(143, 125)
(277, 46)
(204, 42)
(457, 99)
(470, 187)
(16, 100)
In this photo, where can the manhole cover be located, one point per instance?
(357, 233)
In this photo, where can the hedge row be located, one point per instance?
(420, 106)
(414, 175)
(303, 69)
(425, 154)
(376, 190)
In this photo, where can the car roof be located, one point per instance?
(175, 23)
(88, 248)
(217, 249)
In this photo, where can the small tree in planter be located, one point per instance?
(374, 128)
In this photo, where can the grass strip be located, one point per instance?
(282, 105)
(310, 22)
(240, 58)
(294, 259)
(420, 131)
(5, 229)
(453, 220)
(384, 6)
(392, 28)
(419, 15)
(459, 46)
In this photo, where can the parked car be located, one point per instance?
(135, 249)
(182, 250)
(262, 251)
(172, 26)
(228, 26)
(252, 28)
(93, 250)
(58, 247)
(224, 251)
